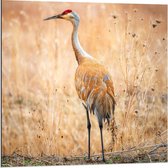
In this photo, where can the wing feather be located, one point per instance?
(95, 87)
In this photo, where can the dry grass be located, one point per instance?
(41, 113)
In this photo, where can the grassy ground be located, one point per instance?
(157, 153)
(41, 112)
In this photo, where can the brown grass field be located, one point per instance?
(42, 116)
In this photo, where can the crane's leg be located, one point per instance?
(102, 145)
(89, 128)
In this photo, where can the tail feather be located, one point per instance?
(102, 104)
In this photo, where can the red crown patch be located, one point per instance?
(66, 11)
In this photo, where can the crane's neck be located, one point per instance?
(79, 52)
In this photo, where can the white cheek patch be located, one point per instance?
(69, 15)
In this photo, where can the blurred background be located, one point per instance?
(41, 112)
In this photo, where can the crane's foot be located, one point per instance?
(88, 160)
(104, 160)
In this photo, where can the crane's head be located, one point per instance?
(67, 15)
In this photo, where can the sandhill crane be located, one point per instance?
(93, 82)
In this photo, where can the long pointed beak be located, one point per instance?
(54, 17)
